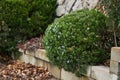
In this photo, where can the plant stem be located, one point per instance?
(115, 39)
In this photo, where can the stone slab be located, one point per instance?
(24, 58)
(78, 5)
(40, 63)
(30, 53)
(65, 75)
(102, 73)
(41, 54)
(54, 70)
(115, 54)
(114, 67)
(27, 59)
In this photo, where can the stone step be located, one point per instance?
(101, 73)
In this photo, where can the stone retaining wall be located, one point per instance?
(94, 72)
(39, 58)
(115, 61)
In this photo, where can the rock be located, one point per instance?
(69, 4)
(78, 5)
(60, 2)
(66, 6)
(60, 10)
(90, 3)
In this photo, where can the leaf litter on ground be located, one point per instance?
(17, 70)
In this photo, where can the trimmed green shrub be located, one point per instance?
(77, 40)
(25, 19)
(4, 32)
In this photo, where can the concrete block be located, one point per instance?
(24, 58)
(31, 53)
(41, 54)
(89, 70)
(115, 54)
(114, 67)
(100, 73)
(65, 75)
(27, 59)
(32, 59)
(39, 62)
(54, 70)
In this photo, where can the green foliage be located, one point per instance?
(77, 40)
(25, 19)
(7, 44)
(4, 32)
(112, 8)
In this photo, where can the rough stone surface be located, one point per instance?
(66, 6)
(41, 54)
(60, 10)
(102, 73)
(90, 3)
(113, 67)
(78, 5)
(24, 58)
(115, 54)
(60, 2)
(65, 75)
(54, 70)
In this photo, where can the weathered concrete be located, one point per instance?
(115, 54)
(101, 73)
(40, 53)
(114, 67)
(65, 75)
(115, 61)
